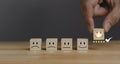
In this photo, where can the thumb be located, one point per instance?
(111, 19)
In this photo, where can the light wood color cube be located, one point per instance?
(35, 43)
(66, 44)
(51, 44)
(82, 44)
(98, 34)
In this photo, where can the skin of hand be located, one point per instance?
(93, 8)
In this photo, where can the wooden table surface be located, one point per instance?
(18, 53)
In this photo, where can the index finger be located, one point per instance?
(88, 15)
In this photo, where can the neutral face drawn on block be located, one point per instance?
(66, 44)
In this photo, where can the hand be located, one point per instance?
(93, 8)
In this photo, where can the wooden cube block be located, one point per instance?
(35, 43)
(82, 44)
(66, 44)
(51, 44)
(98, 34)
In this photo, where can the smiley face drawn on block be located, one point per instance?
(51, 44)
(82, 44)
(35, 44)
(98, 34)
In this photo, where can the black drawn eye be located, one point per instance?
(84, 43)
(49, 43)
(80, 42)
(68, 43)
(33, 43)
(36, 42)
(53, 43)
(64, 43)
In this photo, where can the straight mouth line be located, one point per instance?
(83, 47)
(51, 47)
(66, 47)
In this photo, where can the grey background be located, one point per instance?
(24, 19)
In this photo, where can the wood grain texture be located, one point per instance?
(18, 53)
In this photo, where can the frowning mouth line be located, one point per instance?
(35, 46)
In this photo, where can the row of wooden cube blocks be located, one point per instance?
(52, 44)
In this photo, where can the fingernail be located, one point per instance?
(90, 28)
(107, 26)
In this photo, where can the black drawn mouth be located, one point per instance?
(51, 47)
(35, 47)
(66, 47)
(82, 46)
